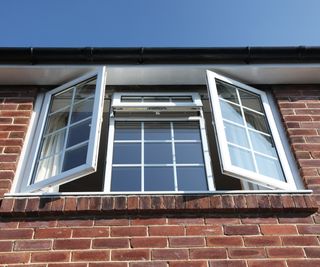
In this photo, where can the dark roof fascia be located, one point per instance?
(149, 55)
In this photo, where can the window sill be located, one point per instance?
(149, 204)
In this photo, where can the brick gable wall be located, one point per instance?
(208, 231)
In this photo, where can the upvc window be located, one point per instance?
(155, 142)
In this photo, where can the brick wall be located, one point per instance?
(215, 231)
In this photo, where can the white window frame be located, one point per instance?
(27, 168)
(117, 105)
(225, 159)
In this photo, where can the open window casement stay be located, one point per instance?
(66, 140)
(249, 144)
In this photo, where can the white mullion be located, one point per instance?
(247, 132)
(175, 177)
(240, 105)
(142, 156)
(67, 129)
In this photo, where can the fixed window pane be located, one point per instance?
(127, 131)
(241, 158)
(186, 131)
(82, 110)
(191, 179)
(157, 131)
(158, 179)
(227, 91)
(231, 112)
(79, 133)
(236, 134)
(125, 179)
(158, 153)
(127, 153)
(75, 157)
(269, 167)
(189, 153)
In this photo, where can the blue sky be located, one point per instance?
(159, 23)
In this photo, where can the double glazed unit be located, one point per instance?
(154, 141)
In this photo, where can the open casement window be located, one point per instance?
(66, 141)
(250, 147)
(157, 143)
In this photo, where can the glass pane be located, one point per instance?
(57, 121)
(231, 112)
(127, 131)
(82, 110)
(61, 100)
(250, 100)
(263, 144)
(131, 99)
(126, 153)
(75, 158)
(157, 131)
(227, 91)
(85, 89)
(192, 179)
(189, 153)
(186, 131)
(156, 99)
(47, 168)
(256, 121)
(269, 167)
(126, 179)
(158, 179)
(79, 133)
(241, 158)
(157, 153)
(53, 144)
(236, 134)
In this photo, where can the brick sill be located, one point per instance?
(156, 204)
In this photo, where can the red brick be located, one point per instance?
(95, 204)
(241, 229)
(185, 221)
(8, 224)
(53, 233)
(74, 223)
(108, 264)
(70, 204)
(67, 265)
(166, 230)
(261, 241)
(95, 255)
(300, 241)
(170, 254)
(295, 219)
(186, 242)
(91, 232)
(50, 256)
(188, 264)
(303, 263)
(224, 241)
(120, 203)
(130, 255)
(6, 174)
(301, 118)
(27, 245)
(309, 229)
(82, 204)
(266, 263)
(16, 234)
(62, 244)
(111, 222)
(283, 229)
(246, 253)
(208, 253)
(259, 220)
(149, 242)
(128, 231)
(312, 252)
(222, 220)
(213, 229)
(148, 221)
(107, 203)
(36, 224)
(5, 246)
(110, 243)
(132, 203)
(281, 252)
(228, 263)
(8, 258)
(148, 264)
(215, 202)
